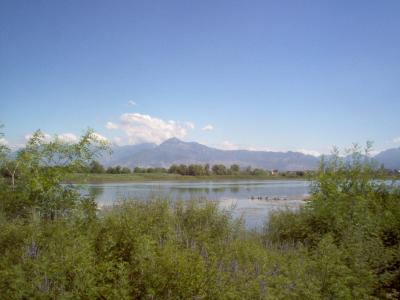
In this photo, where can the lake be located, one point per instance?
(253, 200)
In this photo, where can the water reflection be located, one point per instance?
(251, 200)
(234, 189)
(95, 191)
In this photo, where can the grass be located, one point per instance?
(137, 177)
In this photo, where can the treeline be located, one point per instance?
(194, 170)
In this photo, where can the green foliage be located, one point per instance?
(195, 170)
(148, 250)
(33, 177)
(118, 170)
(234, 168)
(96, 168)
(54, 244)
(258, 172)
(354, 214)
(219, 170)
(3, 148)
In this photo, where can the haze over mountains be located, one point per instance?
(389, 158)
(175, 151)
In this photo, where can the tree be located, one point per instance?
(257, 171)
(173, 169)
(138, 170)
(182, 169)
(248, 170)
(37, 171)
(207, 169)
(160, 170)
(234, 168)
(7, 167)
(126, 170)
(219, 169)
(96, 167)
(196, 170)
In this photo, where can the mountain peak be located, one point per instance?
(172, 140)
(176, 151)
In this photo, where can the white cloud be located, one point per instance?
(227, 145)
(396, 140)
(131, 103)
(208, 127)
(3, 142)
(64, 137)
(141, 128)
(118, 140)
(68, 138)
(309, 152)
(250, 148)
(375, 152)
(99, 137)
(111, 125)
(46, 137)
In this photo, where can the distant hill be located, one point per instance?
(122, 155)
(389, 158)
(175, 151)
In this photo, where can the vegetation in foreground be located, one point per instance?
(55, 244)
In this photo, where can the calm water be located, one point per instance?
(241, 196)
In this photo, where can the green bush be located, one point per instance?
(359, 213)
(54, 243)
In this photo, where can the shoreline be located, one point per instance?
(81, 178)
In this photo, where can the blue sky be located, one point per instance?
(264, 74)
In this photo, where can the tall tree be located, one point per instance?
(36, 172)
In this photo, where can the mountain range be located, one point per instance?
(175, 151)
(389, 158)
